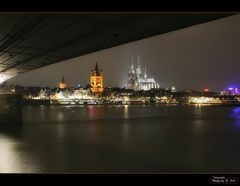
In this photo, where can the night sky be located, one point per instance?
(204, 55)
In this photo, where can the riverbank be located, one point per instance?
(95, 102)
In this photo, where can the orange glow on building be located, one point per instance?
(62, 84)
(96, 80)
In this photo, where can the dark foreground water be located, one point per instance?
(122, 139)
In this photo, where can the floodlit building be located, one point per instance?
(231, 91)
(96, 80)
(139, 81)
(62, 84)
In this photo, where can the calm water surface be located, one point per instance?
(122, 139)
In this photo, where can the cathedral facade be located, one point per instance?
(139, 81)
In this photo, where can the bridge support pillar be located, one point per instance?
(10, 109)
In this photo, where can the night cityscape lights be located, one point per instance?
(204, 100)
(111, 95)
(138, 92)
(231, 91)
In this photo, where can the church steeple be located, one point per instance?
(96, 80)
(63, 80)
(138, 69)
(62, 84)
(132, 66)
(139, 63)
(132, 69)
(145, 74)
(97, 70)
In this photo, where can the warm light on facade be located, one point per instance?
(62, 84)
(96, 81)
(204, 100)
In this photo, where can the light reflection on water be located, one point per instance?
(123, 139)
(125, 111)
(12, 160)
(235, 114)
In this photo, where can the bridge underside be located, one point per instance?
(30, 41)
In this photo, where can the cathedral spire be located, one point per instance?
(138, 69)
(97, 69)
(63, 80)
(132, 66)
(145, 73)
(62, 84)
(139, 63)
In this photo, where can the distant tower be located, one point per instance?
(145, 73)
(132, 70)
(131, 76)
(138, 70)
(62, 84)
(96, 80)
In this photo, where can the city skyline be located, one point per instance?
(163, 104)
(197, 57)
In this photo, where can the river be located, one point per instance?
(122, 139)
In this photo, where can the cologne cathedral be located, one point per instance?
(139, 81)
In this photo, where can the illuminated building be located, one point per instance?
(231, 91)
(138, 81)
(96, 80)
(204, 100)
(43, 94)
(73, 94)
(173, 89)
(62, 84)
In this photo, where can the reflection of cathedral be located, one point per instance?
(138, 81)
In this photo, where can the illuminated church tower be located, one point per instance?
(62, 84)
(131, 76)
(96, 80)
